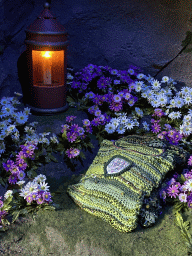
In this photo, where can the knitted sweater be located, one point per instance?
(122, 173)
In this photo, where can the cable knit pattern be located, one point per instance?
(122, 173)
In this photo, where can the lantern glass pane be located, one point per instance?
(48, 68)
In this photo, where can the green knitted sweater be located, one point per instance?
(122, 173)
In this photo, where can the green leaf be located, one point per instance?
(15, 216)
(53, 159)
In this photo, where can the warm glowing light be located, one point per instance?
(46, 54)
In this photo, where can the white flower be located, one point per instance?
(162, 98)
(187, 130)
(178, 102)
(144, 95)
(165, 79)
(188, 185)
(110, 128)
(31, 187)
(138, 86)
(21, 118)
(69, 76)
(156, 85)
(10, 128)
(54, 139)
(172, 102)
(131, 71)
(115, 121)
(186, 118)
(7, 110)
(150, 94)
(187, 99)
(116, 81)
(121, 129)
(40, 178)
(139, 112)
(8, 194)
(190, 112)
(114, 72)
(183, 197)
(43, 186)
(145, 126)
(123, 120)
(129, 124)
(185, 90)
(140, 76)
(117, 98)
(177, 114)
(155, 103)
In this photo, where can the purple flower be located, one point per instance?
(8, 165)
(72, 152)
(116, 106)
(47, 196)
(70, 118)
(81, 131)
(101, 83)
(96, 122)
(86, 77)
(173, 191)
(86, 122)
(190, 160)
(75, 84)
(189, 201)
(97, 99)
(167, 126)
(74, 128)
(13, 178)
(71, 137)
(156, 128)
(89, 129)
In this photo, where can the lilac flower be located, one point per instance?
(70, 118)
(72, 152)
(12, 178)
(74, 128)
(101, 83)
(86, 122)
(71, 137)
(75, 85)
(96, 122)
(89, 129)
(155, 128)
(81, 131)
(8, 165)
(190, 160)
(173, 191)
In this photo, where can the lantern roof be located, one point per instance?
(46, 24)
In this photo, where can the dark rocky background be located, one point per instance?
(144, 33)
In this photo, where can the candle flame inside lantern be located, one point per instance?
(47, 54)
(47, 67)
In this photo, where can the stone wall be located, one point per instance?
(143, 33)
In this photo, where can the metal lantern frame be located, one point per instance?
(46, 35)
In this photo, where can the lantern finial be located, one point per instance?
(46, 5)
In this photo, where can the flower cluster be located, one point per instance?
(36, 191)
(105, 92)
(180, 189)
(73, 138)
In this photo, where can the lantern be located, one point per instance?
(46, 54)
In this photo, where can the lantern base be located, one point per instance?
(47, 112)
